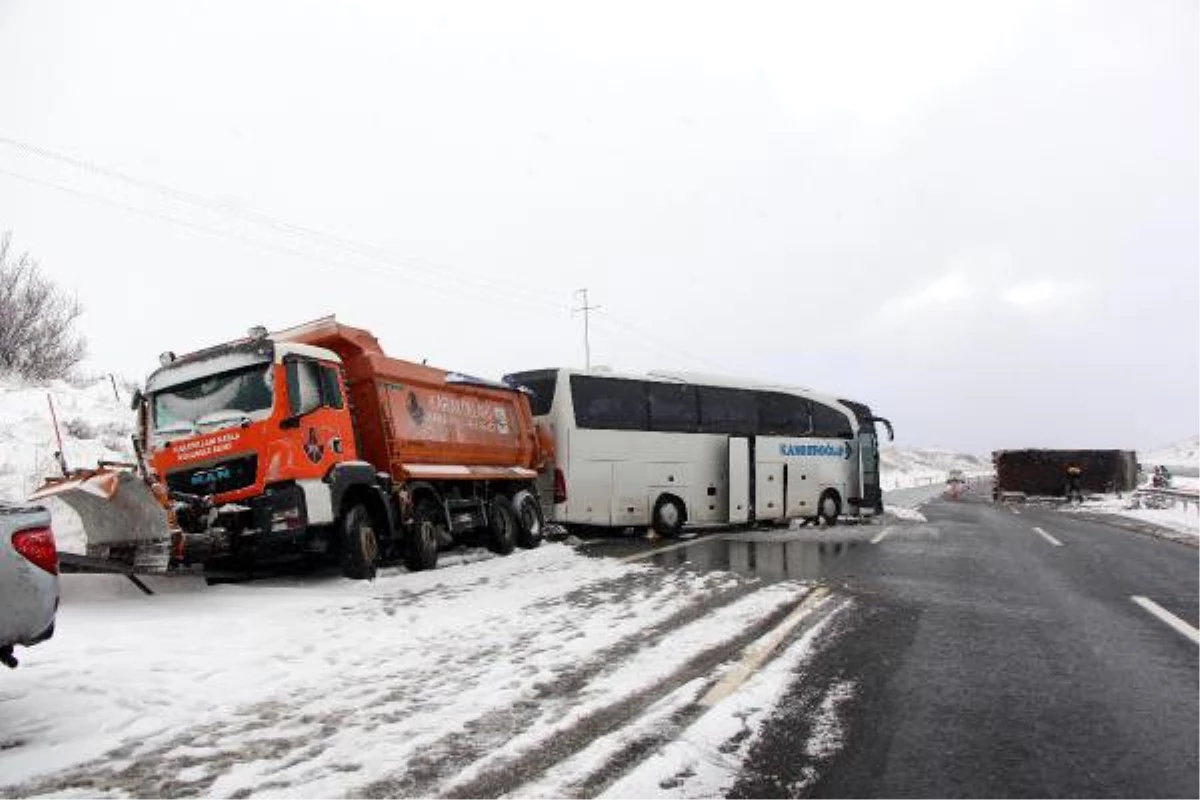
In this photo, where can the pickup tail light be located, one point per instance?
(37, 545)
(560, 486)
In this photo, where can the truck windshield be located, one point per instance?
(214, 401)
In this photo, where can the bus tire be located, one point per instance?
(668, 517)
(360, 544)
(422, 547)
(829, 508)
(530, 523)
(503, 524)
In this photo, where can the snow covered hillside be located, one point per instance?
(902, 467)
(1186, 453)
(94, 424)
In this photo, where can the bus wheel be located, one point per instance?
(360, 546)
(503, 523)
(422, 550)
(529, 519)
(829, 508)
(668, 517)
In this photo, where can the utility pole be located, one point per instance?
(585, 308)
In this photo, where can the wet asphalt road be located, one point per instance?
(985, 661)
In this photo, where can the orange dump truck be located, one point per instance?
(311, 441)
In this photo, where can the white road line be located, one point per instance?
(1167, 617)
(757, 652)
(879, 536)
(1049, 538)
(1015, 511)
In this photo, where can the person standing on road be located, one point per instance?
(1074, 492)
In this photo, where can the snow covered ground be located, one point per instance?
(547, 663)
(1178, 516)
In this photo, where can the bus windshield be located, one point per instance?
(541, 384)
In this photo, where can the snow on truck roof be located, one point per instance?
(229, 356)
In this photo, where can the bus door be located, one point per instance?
(868, 464)
(868, 449)
(768, 490)
(740, 477)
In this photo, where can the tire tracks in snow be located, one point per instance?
(276, 743)
(500, 752)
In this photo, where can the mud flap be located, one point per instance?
(122, 519)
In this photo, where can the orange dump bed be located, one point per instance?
(418, 422)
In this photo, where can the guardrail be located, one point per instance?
(1165, 498)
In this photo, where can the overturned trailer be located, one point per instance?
(1045, 472)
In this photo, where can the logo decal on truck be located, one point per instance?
(414, 409)
(206, 447)
(313, 448)
(844, 451)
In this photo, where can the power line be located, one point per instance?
(359, 249)
(473, 284)
(322, 261)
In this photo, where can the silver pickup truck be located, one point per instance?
(28, 578)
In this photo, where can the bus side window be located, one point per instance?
(724, 410)
(830, 422)
(673, 407)
(609, 403)
(783, 415)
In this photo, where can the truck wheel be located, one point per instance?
(530, 524)
(422, 546)
(829, 508)
(360, 546)
(503, 525)
(667, 519)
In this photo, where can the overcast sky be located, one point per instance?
(982, 219)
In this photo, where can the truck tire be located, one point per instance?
(360, 545)
(668, 516)
(829, 508)
(503, 524)
(421, 547)
(530, 524)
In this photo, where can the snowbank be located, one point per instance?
(95, 424)
(905, 467)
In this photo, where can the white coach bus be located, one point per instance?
(665, 449)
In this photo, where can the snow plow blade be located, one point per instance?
(122, 519)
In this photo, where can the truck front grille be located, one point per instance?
(227, 476)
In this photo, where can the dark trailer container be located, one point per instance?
(1044, 472)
